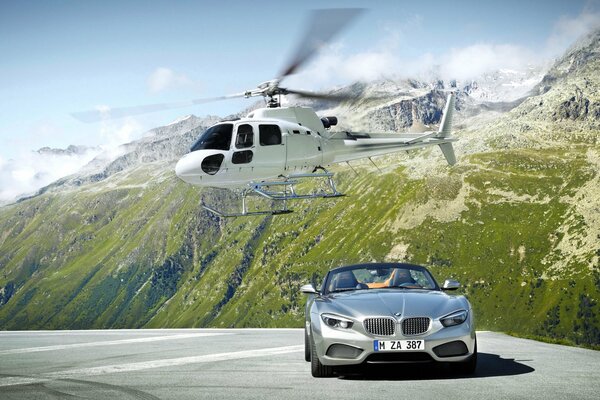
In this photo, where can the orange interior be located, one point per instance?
(386, 283)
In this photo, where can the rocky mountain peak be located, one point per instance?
(177, 127)
(584, 52)
(70, 150)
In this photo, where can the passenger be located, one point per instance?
(345, 280)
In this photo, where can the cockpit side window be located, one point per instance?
(217, 137)
(269, 135)
(245, 137)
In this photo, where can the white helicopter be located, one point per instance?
(272, 149)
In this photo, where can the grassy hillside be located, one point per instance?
(514, 226)
(517, 221)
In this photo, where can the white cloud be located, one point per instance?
(31, 170)
(458, 63)
(472, 61)
(115, 133)
(28, 171)
(338, 64)
(162, 79)
(335, 67)
(568, 29)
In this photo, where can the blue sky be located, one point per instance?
(57, 57)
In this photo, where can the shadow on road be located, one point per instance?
(488, 365)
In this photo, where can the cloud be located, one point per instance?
(473, 61)
(162, 79)
(337, 67)
(568, 29)
(28, 171)
(31, 170)
(115, 133)
(338, 64)
(334, 66)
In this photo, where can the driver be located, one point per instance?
(402, 276)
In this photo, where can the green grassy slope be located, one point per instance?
(517, 221)
(512, 226)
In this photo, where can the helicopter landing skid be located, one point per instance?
(268, 189)
(289, 190)
(245, 213)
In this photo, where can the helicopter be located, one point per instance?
(274, 148)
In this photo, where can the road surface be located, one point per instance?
(269, 363)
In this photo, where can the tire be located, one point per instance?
(317, 369)
(468, 367)
(306, 345)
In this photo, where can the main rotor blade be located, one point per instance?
(105, 113)
(334, 96)
(322, 96)
(324, 24)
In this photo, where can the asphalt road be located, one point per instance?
(269, 363)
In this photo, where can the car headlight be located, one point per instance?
(335, 321)
(456, 318)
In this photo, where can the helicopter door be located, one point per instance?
(244, 142)
(243, 151)
(269, 157)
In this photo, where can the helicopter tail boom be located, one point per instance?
(348, 146)
(445, 130)
(448, 152)
(446, 125)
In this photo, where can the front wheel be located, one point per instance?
(306, 345)
(317, 369)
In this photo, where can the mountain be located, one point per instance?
(70, 150)
(160, 145)
(566, 101)
(25, 172)
(125, 244)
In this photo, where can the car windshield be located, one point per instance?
(216, 137)
(379, 277)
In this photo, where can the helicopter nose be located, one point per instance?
(180, 169)
(188, 167)
(196, 165)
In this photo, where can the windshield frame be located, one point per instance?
(206, 141)
(371, 266)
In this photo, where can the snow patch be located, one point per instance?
(179, 120)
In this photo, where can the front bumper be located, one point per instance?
(362, 342)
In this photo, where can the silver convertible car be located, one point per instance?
(387, 313)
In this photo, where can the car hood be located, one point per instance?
(393, 302)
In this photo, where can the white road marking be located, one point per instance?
(140, 331)
(139, 366)
(110, 342)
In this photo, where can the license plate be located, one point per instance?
(398, 345)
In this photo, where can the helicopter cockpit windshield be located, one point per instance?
(217, 137)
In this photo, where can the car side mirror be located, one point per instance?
(308, 289)
(450, 284)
